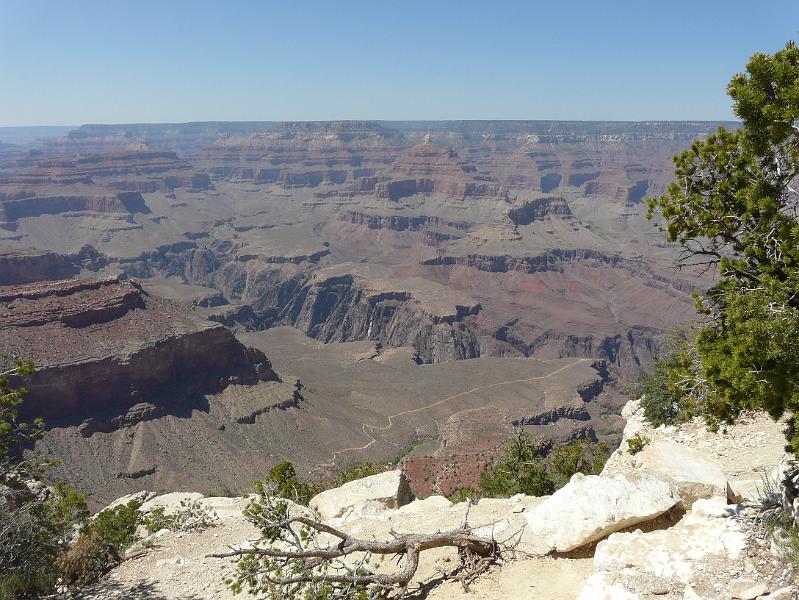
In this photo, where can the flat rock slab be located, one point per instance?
(590, 507)
(694, 475)
(709, 530)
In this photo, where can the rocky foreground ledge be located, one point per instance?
(677, 520)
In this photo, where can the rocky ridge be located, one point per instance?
(658, 537)
(103, 346)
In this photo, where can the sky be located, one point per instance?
(120, 61)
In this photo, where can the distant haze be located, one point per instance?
(93, 61)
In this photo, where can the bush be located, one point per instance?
(116, 526)
(637, 443)
(464, 494)
(86, 560)
(518, 470)
(99, 545)
(521, 468)
(661, 391)
(282, 481)
(358, 471)
(578, 456)
(785, 538)
(32, 536)
(191, 516)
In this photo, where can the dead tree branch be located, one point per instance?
(297, 551)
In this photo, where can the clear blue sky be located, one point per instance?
(111, 61)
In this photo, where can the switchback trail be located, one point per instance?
(390, 418)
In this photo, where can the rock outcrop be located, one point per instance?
(103, 346)
(589, 508)
(379, 492)
(709, 552)
(19, 266)
(693, 475)
(428, 169)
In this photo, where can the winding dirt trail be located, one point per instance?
(390, 418)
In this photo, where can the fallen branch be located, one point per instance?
(297, 553)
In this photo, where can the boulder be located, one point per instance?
(693, 475)
(709, 529)
(369, 495)
(590, 507)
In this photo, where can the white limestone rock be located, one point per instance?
(694, 475)
(383, 491)
(710, 529)
(590, 507)
(170, 502)
(142, 497)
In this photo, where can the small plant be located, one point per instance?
(785, 536)
(224, 491)
(191, 516)
(777, 525)
(464, 494)
(637, 443)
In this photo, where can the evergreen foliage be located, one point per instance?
(282, 481)
(521, 467)
(733, 208)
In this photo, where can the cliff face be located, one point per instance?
(103, 346)
(34, 206)
(27, 266)
(337, 309)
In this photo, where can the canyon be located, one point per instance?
(204, 299)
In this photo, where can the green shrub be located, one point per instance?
(785, 537)
(282, 481)
(660, 391)
(115, 526)
(522, 469)
(518, 470)
(86, 560)
(99, 545)
(578, 456)
(358, 471)
(463, 494)
(637, 443)
(32, 536)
